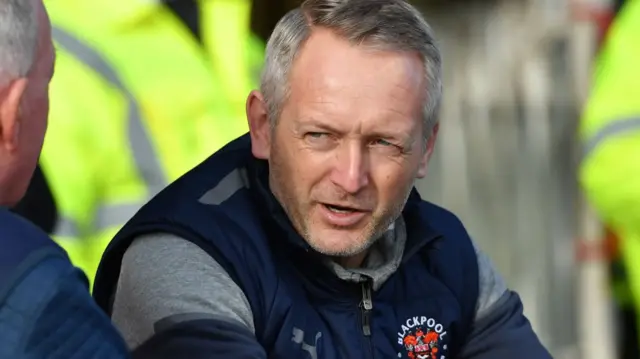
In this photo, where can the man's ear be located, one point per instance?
(259, 127)
(10, 113)
(428, 151)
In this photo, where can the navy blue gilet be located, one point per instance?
(425, 309)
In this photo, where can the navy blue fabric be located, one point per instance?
(45, 307)
(202, 339)
(290, 289)
(21, 240)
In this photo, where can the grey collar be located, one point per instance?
(382, 261)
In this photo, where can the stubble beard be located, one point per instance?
(302, 222)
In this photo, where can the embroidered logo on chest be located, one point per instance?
(422, 338)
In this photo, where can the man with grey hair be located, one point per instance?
(46, 310)
(306, 237)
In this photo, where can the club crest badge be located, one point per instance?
(422, 338)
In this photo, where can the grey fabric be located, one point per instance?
(492, 285)
(188, 283)
(382, 261)
(503, 331)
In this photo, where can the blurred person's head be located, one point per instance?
(347, 118)
(26, 66)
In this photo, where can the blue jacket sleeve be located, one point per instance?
(202, 339)
(49, 313)
(504, 332)
(46, 310)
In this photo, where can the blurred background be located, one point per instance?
(133, 75)
(517, 74)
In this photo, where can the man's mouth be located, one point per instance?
(341, 215)
(341, 209)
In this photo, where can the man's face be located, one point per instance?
(33, 111)
(349, 143)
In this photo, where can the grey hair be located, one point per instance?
(391, 25)
(18, 37)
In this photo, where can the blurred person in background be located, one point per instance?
(143, 91)
(610, 169)
(45, 307)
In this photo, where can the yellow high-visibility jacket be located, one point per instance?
(610, 134)
(136, 102)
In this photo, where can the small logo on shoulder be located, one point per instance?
(422, 338)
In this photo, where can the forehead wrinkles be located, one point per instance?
(330, 69)
(369, 107)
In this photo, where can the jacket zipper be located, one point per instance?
(365, 312)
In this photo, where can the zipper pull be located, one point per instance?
(367, 302)
(366, 305)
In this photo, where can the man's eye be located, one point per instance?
(382, 142)
(316, 134)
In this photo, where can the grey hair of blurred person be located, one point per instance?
(18, 38)
(385, 25)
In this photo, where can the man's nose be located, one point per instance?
(351, 171)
